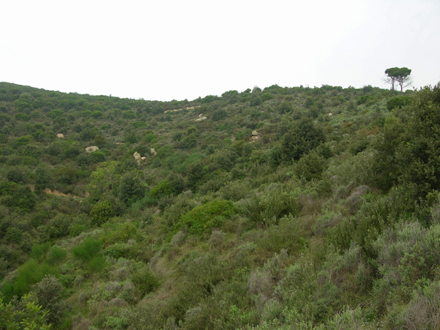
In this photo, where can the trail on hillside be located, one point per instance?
(56, 192)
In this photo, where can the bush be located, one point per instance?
(423, 311)
(398, 102)
(15, 175)
(268, 208)
(28, 274)
(288, 234)
(87, 249)
(131, 188)
(204, 217)
(163, 188)
(39, 251)
(13, 235)
(23, 314)
(97, 157)
(310, 167)
(407, 254)
(57, 255)
(144, 281)
(49, 293)
(100, 213)
(302, 138)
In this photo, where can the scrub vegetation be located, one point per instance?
(275, 208)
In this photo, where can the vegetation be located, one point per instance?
(286, 208)
(399, 76)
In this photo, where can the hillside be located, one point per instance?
(274, 208)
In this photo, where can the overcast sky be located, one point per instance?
(164, 50)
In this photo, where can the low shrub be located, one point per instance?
(204, 217)
(87, 249)
(144, 281)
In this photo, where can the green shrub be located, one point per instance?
(131, 188)
(268, 208)
(96, 264)
(14, 235)
(59, 226)
(122, 233)
(406, 255)
(39, 251)
(204, 217)
(398, 102)
(49, 293)
(24, 314)
(302, 138)
(77, 229)
(163, 188)
(28, 274)
(17, 196)
(113, 322)
(87, 249)
(57, 255)
(423, 311)
(310, 167)
(97, 156)
(15, 175)
(288, 234)
(100, 213)
(266, 96)
(144, 281)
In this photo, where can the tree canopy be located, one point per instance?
(399, 75)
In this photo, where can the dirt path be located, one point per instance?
(56, 192)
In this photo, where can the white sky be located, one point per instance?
(168, 49)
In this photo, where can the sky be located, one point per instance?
(165, 50)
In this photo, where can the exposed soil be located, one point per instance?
(56, 192)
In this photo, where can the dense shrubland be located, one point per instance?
(287, 208)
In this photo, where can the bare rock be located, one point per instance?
(255, 133)
(201, 118)
(60, 135)
(91, 149)
(254, 138)
(153, 152)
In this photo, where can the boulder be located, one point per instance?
(91, 149)
(254, 138)
(137, 157)
(201, 118)
(153, 152)
(60, 135)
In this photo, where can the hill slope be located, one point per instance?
(281, 208)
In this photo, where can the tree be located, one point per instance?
(399, 75)
(302, 138)
(49, 293)
(131, 188)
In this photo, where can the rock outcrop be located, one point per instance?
(91, 149)
(255, 136)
